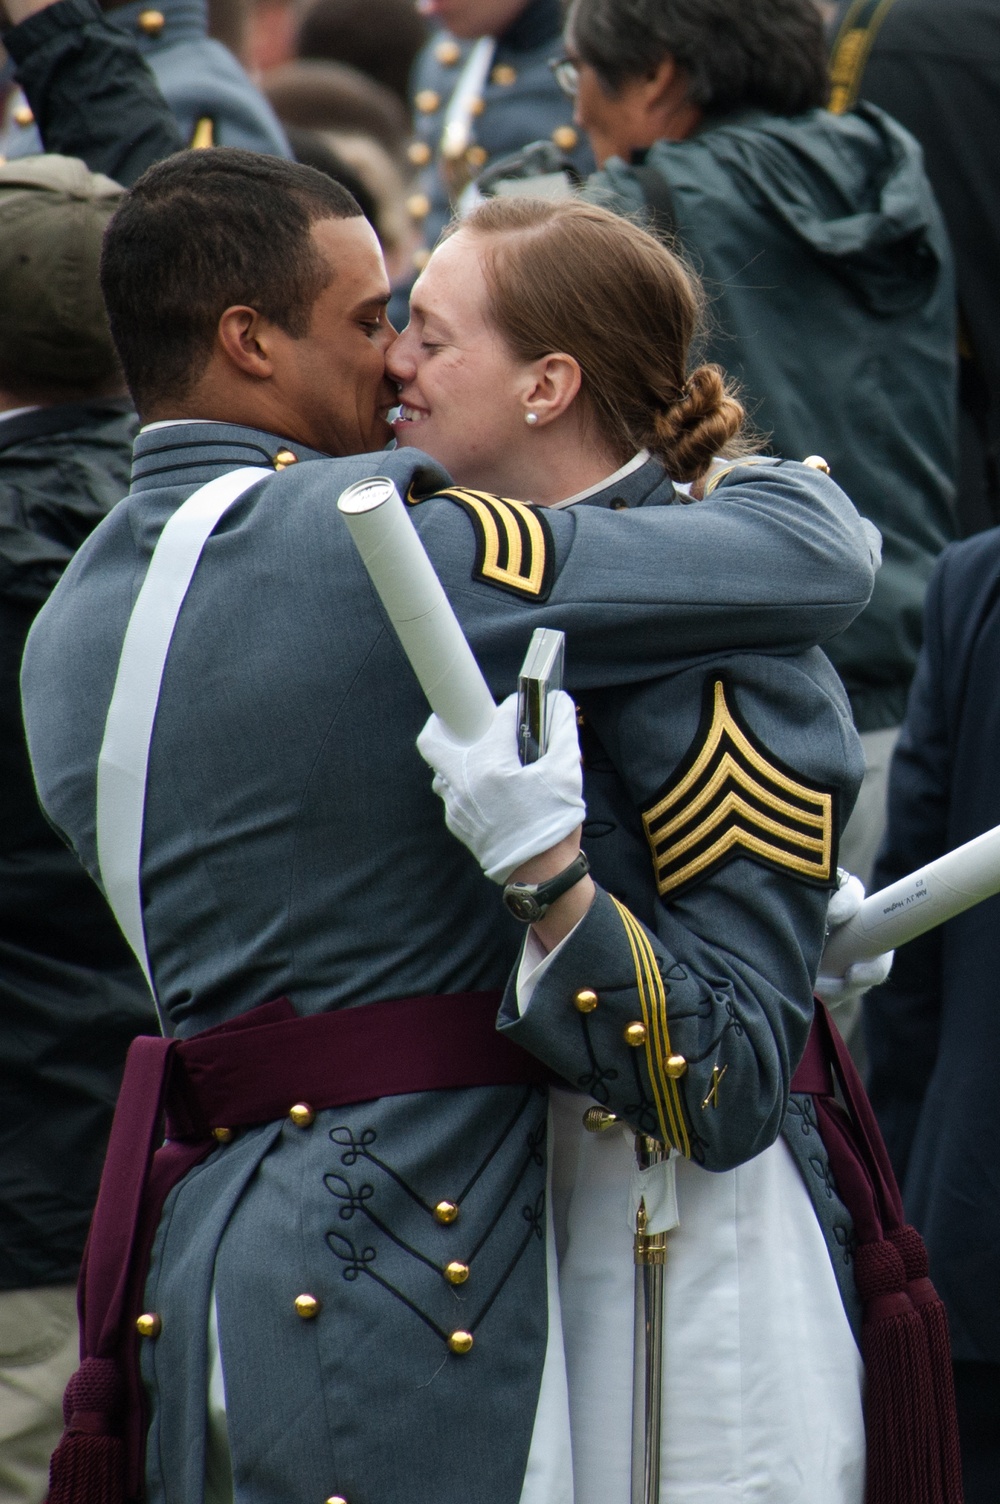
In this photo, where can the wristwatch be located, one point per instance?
(529, 902)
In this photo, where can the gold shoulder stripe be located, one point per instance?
(513, 542)
(851, 50)
(730, 797)
(204, 134)
(653, 1001)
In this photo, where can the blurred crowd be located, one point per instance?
(871, 180)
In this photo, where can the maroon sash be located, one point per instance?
(910, 1422)
(251, 1070)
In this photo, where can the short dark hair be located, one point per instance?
(198, 233)
(738, 54)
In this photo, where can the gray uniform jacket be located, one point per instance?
(292, 845)
(210, 96)
(520, 102)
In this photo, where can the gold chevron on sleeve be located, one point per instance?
(730, 797)
(513, 542)
(653, 1002)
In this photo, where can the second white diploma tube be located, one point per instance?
(417, 606)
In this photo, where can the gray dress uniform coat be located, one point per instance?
(209, 94)
(292, 845)
(520, 102)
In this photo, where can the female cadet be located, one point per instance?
(548, 358)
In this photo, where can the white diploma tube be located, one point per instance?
(916, 903)
(417, 606)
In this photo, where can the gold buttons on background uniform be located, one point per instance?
(284, 458)
(302, 1115)
(634, 1034)
(477, 156)
(223, 1135)
(418, 206)
(24, 115)
(503, 75)
(306, 1306)
(456, 1273)
(151, 22)
(421, 258)
(817, 462)
(447, 53)
(565, 137)
(446, 1212)
(675, 1066)
(427, 101)
(149, 1325)
(585, 1001)
(419, 153)
(336, 1499)
(460, 1342)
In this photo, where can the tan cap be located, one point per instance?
(53, 214)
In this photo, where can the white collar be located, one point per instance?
(19, 412)
(635, 463)
(170, 423)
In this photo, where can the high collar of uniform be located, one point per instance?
(648, 485)
(540, 21)
(194, 453)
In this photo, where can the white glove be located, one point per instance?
(836, 991)
(503, 812)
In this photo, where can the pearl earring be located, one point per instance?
(531, 417)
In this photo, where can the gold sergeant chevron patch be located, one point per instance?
(730, 797)
(513, 542)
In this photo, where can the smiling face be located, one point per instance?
(332, 381)
(463, 395)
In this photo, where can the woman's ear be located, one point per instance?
(554, 383)
(243, 339)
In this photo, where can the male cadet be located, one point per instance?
(212, 100)
(369, 1245)
(481, 89)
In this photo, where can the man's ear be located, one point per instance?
(662, 83)
(243, 337)
(555, 381)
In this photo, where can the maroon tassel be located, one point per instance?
(903, 1464)
(932, 1312)
(88, 1465)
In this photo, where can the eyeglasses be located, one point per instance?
(566, 74)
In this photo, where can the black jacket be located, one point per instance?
(71, 996)
(934, 1029)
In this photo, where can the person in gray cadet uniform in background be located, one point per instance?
(829, 277)
(374, 1247)
(71, 995)
(212, 100)
(482, 88)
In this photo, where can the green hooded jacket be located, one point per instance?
(832, 304)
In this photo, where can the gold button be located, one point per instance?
(24, 115)
(585, 1001)
(817, 462)
(421, 258)
(446, 1212)
(224, 1135)
(675, 1066)
(151, 22)
(419, 153)
(284, 458)
(149, 1325)
(302, 1115)
(477, 156)
(565, 137)
(418, 206)
(427, 101)
(476, 106)
(460, 1342)
(456, 1273)
(306, 1306)
(447, 53)
(634, 1034)
(503, 75)
(336, 1499)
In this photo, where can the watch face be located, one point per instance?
(523, 906)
